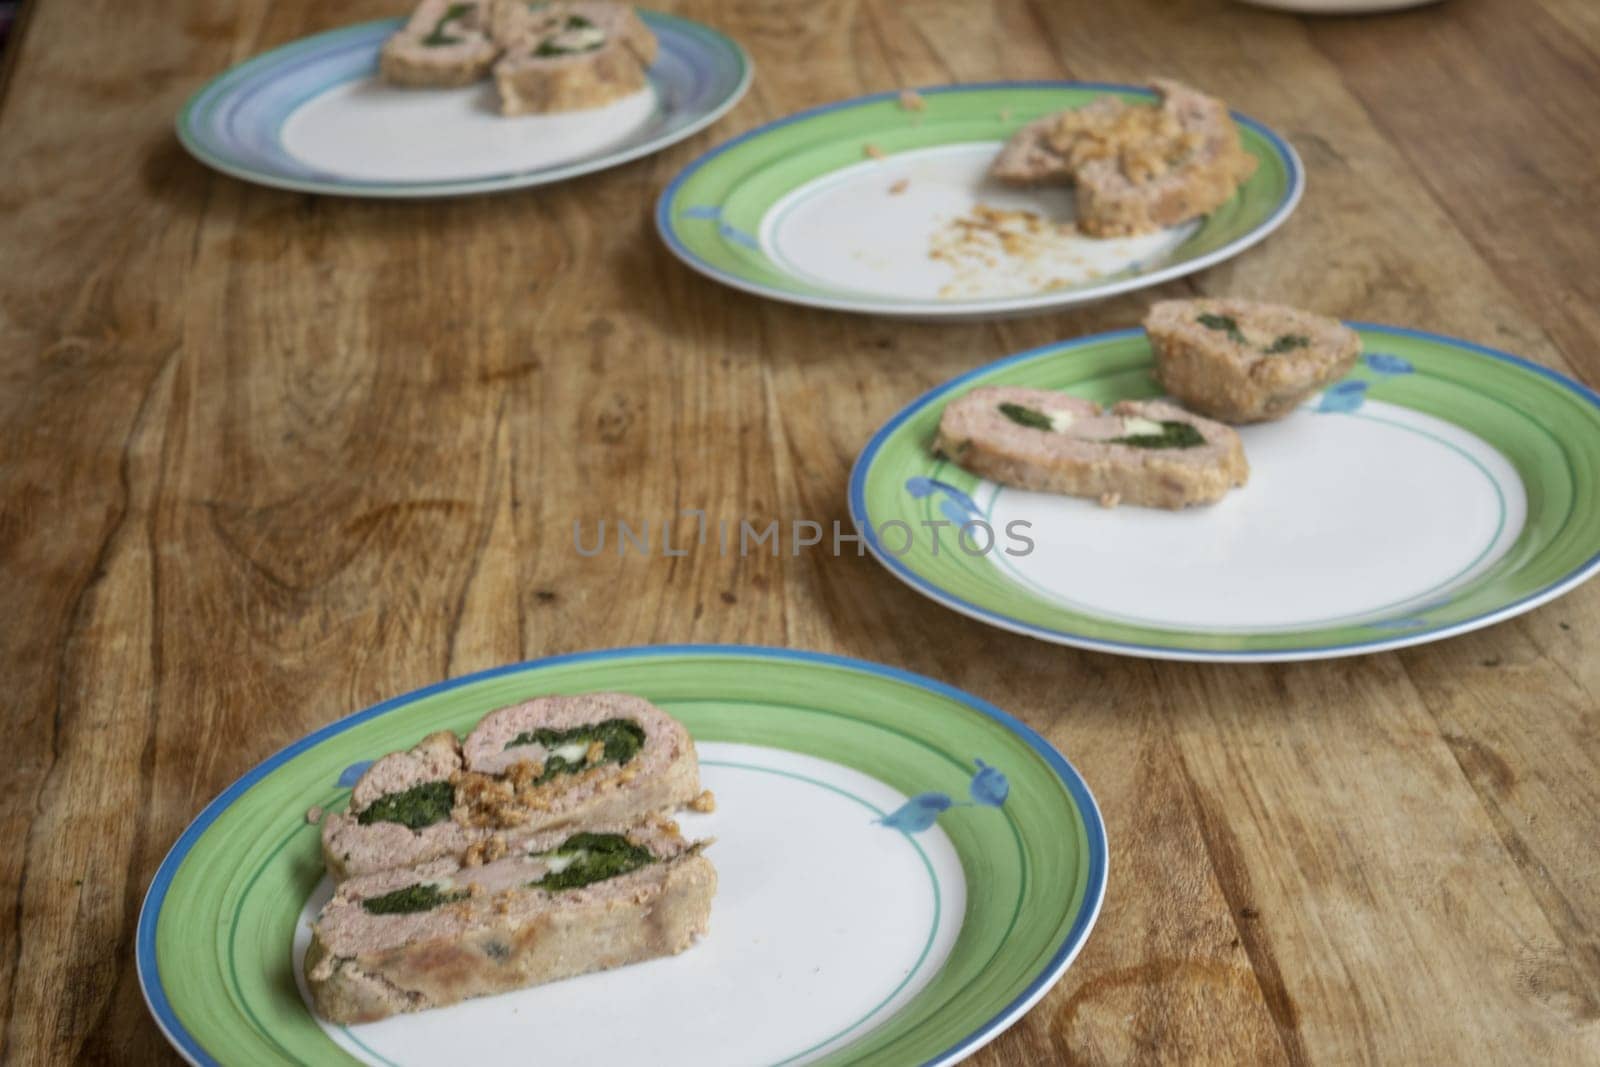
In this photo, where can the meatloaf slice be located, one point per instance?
(1033, 157)
(1244, 361)
(1136, 168)
(1144, 452)
(548, 762)
(600, 756)
(444, 43)
(565, 903)
(566, 57)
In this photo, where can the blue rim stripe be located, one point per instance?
(858, 513)
(1094, 825)
(669, 234)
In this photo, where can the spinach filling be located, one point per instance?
(585, 858)
(1227, 324)
(1224, 323)
(550, 46)
(1034, 420)
(1173, 435)
(622, 739)
(413, 898)
(1287, 343)
(438, 37)
(421, 805)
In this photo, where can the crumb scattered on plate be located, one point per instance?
(706, 801)
(872, 151)
(1011, 251)
(313, 815)
(899, 187)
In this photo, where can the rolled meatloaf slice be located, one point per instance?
(1243, 361)
(1145, 452)
(550, 762)
(565, 903)
(565, 57)
(444, 43)
(1136, 168)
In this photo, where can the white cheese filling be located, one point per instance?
(572, 751)
(556, 862)
(581, 39)
(1137, 426)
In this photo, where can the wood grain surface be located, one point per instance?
(268, 458)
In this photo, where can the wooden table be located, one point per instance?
(267, 458)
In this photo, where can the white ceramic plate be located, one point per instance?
(1441, 487)
(863, 206)
(314, 116)
(903, 871)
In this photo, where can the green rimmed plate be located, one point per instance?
(840, 206)
(314, 116)
(1442, 487)
(905, 867)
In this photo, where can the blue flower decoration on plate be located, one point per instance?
(956, 505)
(1383, 363)
(1343, 398)
(728, 231)
(732, 233)
(352, 773)
(988, 789)
(918, 813)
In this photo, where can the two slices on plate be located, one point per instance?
(1223, 361)
(538, 848)
(557, 56)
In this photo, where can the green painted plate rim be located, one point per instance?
(199, 145)
(1075, 793)
(1269, 146)
(1005, 601)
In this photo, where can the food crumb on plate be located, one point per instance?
(314, 814)
(899, 187)
(1010, 251)
(706, 801)
(1110, 500)
(872, 151)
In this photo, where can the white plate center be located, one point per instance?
(873, 228)
(366, 130)
(1347, 518)
(824, 924)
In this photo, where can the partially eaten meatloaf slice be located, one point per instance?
(548, 762)
(444, 43)
(1145, 452)
(564, 903)
(565, 57)
(1243, 361)
(1136, 168)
